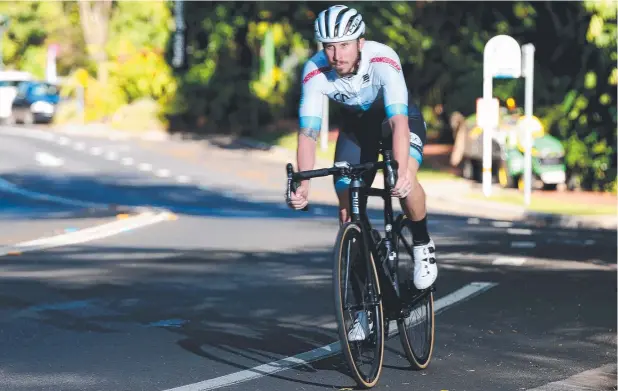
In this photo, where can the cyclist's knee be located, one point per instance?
(416, 155)
(341, 185)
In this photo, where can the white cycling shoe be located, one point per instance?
(361, 327)
(425, 267)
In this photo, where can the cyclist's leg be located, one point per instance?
(347, 149)
(414, 206)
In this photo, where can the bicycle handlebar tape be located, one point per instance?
(292, 185)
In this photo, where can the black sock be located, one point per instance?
(419, 232)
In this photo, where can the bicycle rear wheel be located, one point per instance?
(357, 298)
(417, 327)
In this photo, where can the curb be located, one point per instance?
(605, 222)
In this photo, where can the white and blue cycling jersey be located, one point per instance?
(378, 82)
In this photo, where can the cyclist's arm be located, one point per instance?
(310, 117)
(305, 153)
(396, 105)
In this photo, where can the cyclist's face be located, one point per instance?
(343, 56)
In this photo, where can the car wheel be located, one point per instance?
(28, 118)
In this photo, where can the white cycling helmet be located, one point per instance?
(338, 23)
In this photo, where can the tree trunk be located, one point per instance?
(94, 17)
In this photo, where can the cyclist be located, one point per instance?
(367, 79)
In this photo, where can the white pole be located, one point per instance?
(529, 73)
(487, 136)
(324, 127)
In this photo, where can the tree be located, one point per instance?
(94, 17)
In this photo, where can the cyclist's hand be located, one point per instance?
(404, 184)
(300, 198)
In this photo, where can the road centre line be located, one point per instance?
(48, 160)
(513, 261)
(88, 234)
(440, 305)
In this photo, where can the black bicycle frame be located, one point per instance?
(387, 262)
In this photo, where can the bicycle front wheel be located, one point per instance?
(417, 326)
(358, 306)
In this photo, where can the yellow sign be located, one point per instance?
(82, 76)
(510, 103)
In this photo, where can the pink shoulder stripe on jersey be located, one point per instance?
(387, 60)
(315, 72)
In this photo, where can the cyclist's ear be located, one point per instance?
(361, 43)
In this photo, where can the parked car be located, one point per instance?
(9, 80)
(35, 102)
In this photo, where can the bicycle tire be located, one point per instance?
(418, 360)
(347, 232)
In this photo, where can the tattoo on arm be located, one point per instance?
(311, 133)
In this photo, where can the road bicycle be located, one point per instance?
(377, 273)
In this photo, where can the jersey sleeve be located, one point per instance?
(311, 97)
(388, 67)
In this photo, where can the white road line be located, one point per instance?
(474, 220)
(441, 304)
(513, 261)
(49, 160)
(88, 234)
(96, 151)
(163, 173)
(9, 187)
(602, 378)
(183, 179)
(144, 167)
(519, 231)
(502, 224)
(127, 161)
(523, 244)
(111, 156)
(63, 141)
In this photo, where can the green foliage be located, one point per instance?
(290, 51)
(230, 86)
(139, 33)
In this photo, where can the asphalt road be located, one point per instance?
(216, 295)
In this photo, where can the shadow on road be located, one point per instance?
(122, 191)
(241, 309)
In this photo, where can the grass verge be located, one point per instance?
(546, 205)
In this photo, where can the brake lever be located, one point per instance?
(292, 185)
